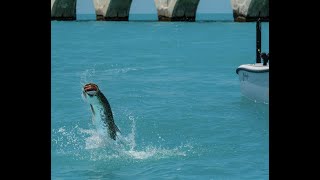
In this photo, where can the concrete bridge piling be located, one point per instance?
(176, 10)
(112, 10)
(63, 10)
(250, 10)
(168, 10)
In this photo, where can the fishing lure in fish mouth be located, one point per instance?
(101, 110)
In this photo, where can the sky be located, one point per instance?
(148, 6)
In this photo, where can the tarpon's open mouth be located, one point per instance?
(91, 89)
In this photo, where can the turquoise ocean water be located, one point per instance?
(174, 94)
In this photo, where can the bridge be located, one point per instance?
(168, 10)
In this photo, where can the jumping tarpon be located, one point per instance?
(101, 110)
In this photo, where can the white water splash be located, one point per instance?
(119, 70)
(87, 76)
(88, 144)
(95, 74)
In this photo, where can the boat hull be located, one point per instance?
(254, 82)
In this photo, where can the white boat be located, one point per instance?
(254, 78)
(254, 81)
